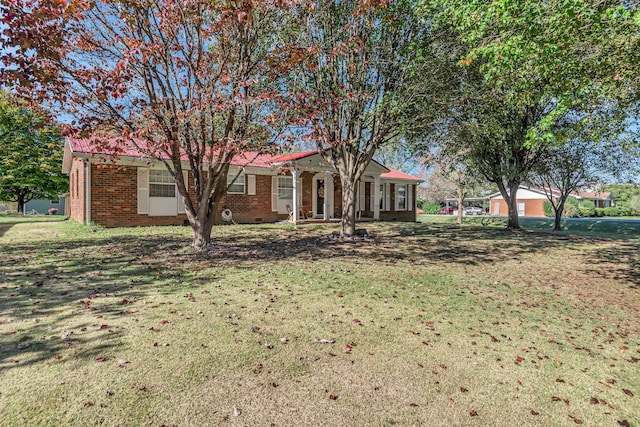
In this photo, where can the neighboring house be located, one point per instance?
(531, 201)
(136, 191)
(42, 206)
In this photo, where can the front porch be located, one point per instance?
(311, 190)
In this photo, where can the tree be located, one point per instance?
(30, 156)
(498, 133)
(457, 173)
(179, 80)
(566, 169)
(586, 47)
(452, 178)
(362, 69)
(513, 97)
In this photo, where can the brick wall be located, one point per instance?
(532, 207)
(114, 201)
(251, 209)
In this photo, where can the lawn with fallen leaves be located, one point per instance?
(422, 324)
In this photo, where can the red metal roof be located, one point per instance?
(293, 156)
(120, 148)
(394, 174)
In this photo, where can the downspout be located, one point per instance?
(88, 193)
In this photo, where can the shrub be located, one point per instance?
(430, 208)
(570, 211)
(600, 212)
(611, 211)
(634, 204)
(625, 210)
(587, 209)
(548, 209)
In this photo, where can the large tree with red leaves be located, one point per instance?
(181, 80)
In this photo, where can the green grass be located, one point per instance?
(18, 218)
(612, 227)
(427, 324)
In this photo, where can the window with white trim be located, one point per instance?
(401, 197)
(285, 188)
(235, 185)
(161, 183)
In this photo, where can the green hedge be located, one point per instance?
(430, 208)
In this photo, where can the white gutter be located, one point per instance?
(88, 193)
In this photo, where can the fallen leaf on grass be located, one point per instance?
(534, 412)
(104, 326)
(594, 401)
(87, 404)
(627, 392)
(624, 423)
(473, 414)
(559, 380)
(333, 397)
(323, 341)
(101, 359)
(576, 420)
(463, 390)
(236, 411)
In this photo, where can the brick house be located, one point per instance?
(531, 201)
(137, 191)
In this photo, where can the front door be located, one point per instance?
(320, 197)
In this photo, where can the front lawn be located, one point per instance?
(628, 227)
(426, 324)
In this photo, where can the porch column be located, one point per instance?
(376, 197)
(327, 203)
(294, 176)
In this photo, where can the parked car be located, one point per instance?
(447, 210)
(472, 210)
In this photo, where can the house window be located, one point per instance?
(382, 197)
(161, 183)
(285, 188)
(401, 197)
(235, 185)
(520, 208)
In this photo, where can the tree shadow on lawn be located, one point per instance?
(620, 262)
(415, 243)
(58, 284)
(6, 226)
(106, 276)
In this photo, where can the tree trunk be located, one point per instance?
(201, 232)
(21, 205)
(558, 210)
(348, 220)
(202, 216)
(460, 207)
(512, 204)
